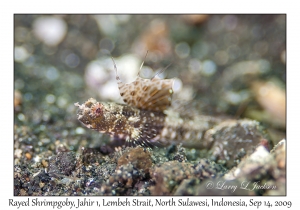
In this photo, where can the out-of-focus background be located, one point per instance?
(223, 64)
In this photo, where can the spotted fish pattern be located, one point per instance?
(146, 117)
(147, 94)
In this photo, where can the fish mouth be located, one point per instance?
(80, 110)
(83, 113)
(85, 108)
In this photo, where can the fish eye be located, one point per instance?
(98, 111)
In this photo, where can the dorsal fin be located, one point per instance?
(149, 94)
